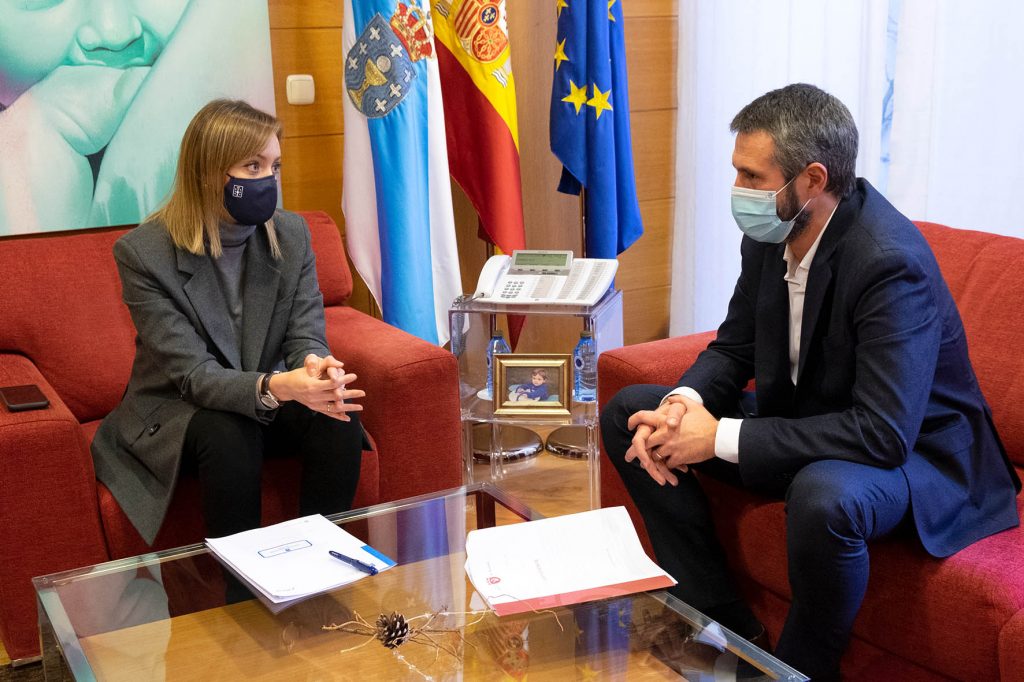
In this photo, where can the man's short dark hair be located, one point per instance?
(807, 125)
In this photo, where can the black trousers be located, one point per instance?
(833, 508)
(227, 449)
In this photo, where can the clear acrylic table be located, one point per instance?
(472, 323)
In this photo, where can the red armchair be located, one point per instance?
(65, 328)
(923, 618)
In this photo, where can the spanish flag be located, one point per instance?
(479, 93)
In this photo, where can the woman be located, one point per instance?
(231, 360)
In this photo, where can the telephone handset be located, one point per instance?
(545, 277)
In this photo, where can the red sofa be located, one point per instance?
(63, 326)
(923, 618)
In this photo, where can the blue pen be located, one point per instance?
(354, 563)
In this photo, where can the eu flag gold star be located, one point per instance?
(560, 54)
(610, 3)
(559, 6)
(599, 101)
(578, 96)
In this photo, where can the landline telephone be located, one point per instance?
(545, 277)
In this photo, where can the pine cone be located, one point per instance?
(392, 630)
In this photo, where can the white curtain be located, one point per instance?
(730, 52)
(957, 128)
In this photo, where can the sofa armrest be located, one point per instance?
(48, 506)
(411, 405)
(655, 362)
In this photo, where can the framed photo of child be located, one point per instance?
(533, 384)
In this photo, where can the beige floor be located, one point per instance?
(547, 483)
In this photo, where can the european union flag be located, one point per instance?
(590, 122)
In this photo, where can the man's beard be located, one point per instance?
(789, 208)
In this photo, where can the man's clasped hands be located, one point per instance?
(680, 432)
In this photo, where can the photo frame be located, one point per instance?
(533, 384)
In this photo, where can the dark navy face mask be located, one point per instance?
(251, 201)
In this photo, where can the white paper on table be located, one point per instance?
(290, 560)
(559, 561)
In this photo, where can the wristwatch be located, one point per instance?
(266, 397)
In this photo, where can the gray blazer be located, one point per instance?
(187, 355)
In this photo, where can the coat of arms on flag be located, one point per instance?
(479, 25)
(378, 68)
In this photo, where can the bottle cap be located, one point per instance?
(586, 333)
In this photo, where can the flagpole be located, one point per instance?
(572, 440)
(583, 238)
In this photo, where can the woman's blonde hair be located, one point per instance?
(223, 133)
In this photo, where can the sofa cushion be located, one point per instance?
(949, 612)
(983, 271)
(62, 309)
(331, 266)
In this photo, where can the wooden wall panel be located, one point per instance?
(315, 51)
(650, 8)
(305, 13)
(651, 58)
(311, 174)
(645, 314)
(654, 154)
(648, 262)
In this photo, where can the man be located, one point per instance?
(867, 415)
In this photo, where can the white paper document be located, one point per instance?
(559, 561)
(291, 560)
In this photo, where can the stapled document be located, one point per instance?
(291, 560)
(559, 561)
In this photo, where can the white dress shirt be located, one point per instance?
(727, 439)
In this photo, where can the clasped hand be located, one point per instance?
(321, 385)
(680, 432)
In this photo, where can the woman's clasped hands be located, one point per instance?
(321, 384)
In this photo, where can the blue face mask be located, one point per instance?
(251, 201)
(756, 213)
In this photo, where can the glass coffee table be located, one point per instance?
(164, 615)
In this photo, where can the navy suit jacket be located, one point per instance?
(883, 379)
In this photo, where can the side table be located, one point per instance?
(486, 433)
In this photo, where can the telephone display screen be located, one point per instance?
(541, 261)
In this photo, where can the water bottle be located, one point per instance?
(497, 344)
(584, 359)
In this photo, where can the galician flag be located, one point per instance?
(590, 122)
(397, 194)
(480, 114)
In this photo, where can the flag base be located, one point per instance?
(517, 443)
(568, 441)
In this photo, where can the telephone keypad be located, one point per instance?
(512, 289)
